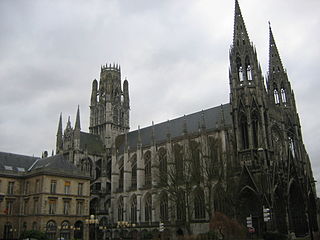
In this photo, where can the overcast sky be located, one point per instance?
(174, 54)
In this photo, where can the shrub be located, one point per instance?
(274, 236)
(33, 234)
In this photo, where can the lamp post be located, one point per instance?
(92, 221)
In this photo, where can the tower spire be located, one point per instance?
(279, 87)
(240, 35)
(59, 140)
(275, 63)
(59, 132)
(77, 123)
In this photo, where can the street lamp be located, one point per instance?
(93, 221)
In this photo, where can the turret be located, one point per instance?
(94, 92)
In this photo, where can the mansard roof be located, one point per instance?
(15, 162)
(19, 165)
(91, 142)
(212, 117)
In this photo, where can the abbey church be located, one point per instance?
(244, 159)
(238, 158)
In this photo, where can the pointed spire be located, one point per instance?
(59, 141)
(59, 132)
(275, 64)
(152, 134)
(139, 137)
(203, 121)
(222, 120)
(240, 35)
(77, 124)
(168, 130)
(68, 123)
(185, 129)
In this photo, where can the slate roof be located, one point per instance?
(56, 162)
(91, 142)
(15, 164)
(213, 117)
(15, 161)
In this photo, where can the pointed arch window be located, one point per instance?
(239, 69)
(276, 96)
(164, 216)
(147, 169)
(248, 69)
(249, 73)
(283, 95)
(134, 209)
(244, 131)
(195, 155)
(163, 166)
(121, 174)
(120, 209)
(148, 208)
(291, 146)
(199, 205)
(240, 74)
(255, 128)
(181, 206)
(134, 172)
(178, 157)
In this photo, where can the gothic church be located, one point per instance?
(237, 158)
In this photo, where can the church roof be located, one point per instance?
(212, 118)
(91, 142)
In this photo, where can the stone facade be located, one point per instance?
(48, 194)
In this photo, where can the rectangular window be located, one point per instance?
(36, 206)
(52, 206)
(37, 187)
(10, 187)
(67, 187)
(79, 207)
(25, 207)
(66, 207)
(9, 209)
(53, 186)
(26, 187)
(80, 189)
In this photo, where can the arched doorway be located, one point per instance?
(51, 229)
(65, 231)
(279, 211)
(179, 233)
(250, 204)
(78, 230)
(8, 231)
(297, 215)
(94, 203)
(312, 212)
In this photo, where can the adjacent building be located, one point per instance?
(48, 194)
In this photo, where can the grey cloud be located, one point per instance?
(174, 54)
